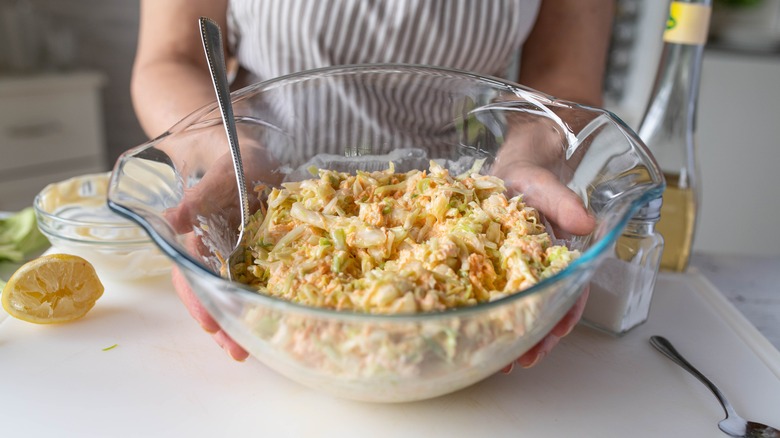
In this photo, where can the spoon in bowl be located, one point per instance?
(733, 424)
(211, 37)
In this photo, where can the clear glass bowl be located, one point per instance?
(74, 216)
(360, 118)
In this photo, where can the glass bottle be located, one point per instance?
(669, 126)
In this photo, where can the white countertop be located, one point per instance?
(167, 378)
(751, 284)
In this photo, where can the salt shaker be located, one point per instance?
(622, 288)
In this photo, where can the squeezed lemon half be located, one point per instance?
(52, 289)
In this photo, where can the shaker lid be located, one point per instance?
(650, 210)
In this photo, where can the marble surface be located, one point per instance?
(751, 284)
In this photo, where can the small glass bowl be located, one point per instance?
(74, 216)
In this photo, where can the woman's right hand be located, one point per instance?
(202, 316)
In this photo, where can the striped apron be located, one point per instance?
(271, 38)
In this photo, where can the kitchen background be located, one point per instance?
(65, 106)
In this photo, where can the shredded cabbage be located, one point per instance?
(386, 242)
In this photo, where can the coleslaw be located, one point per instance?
(387, 242)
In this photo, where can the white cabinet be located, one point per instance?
(51, 128)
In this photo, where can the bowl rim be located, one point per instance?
(121, 224)
(380, 68)
(591, 255)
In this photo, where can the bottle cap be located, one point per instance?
(649, 211)
(688, 23)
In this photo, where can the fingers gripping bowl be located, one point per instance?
(567, 160)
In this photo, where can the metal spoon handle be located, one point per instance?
(664, 346)
(211, 37)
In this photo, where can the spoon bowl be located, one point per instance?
(733, 424)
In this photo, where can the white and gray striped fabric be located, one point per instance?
(276, 37)
(272, 38)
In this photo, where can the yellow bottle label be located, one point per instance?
(688, 23)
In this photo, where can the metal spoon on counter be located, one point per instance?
(211, 37)
(733, 424)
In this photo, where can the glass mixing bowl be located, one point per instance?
(180, 188)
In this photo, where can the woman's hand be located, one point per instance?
(205, 320)
(543, 347)
(532, 162)
(215, 194)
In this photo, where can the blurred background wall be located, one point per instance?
(97, 35)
